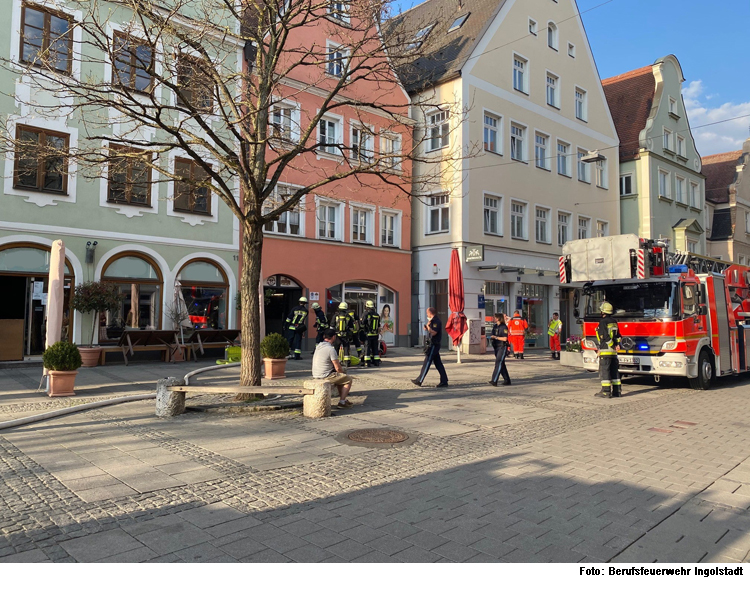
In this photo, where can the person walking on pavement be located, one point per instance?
(371, 326)
(517, 328)
(499, 339)
(321, 322)
(344, 327)
(434, 329)
(296, 326)
(554, 329)
(608, 337)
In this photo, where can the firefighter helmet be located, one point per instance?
(606, 308)
(316, 306)
(369, 304)
(343, 306)
(303, 300)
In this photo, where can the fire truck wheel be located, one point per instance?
(705, 372)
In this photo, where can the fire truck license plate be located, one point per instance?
(627, 360)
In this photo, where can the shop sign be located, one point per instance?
(314, 296)
(271, 281)
(475, 254)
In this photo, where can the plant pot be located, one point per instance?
(571, 358)
(61, 382)
(90, 355)
(274, 368)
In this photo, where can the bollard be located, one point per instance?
(168, 403)
(318, 404)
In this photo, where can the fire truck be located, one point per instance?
(679, 314)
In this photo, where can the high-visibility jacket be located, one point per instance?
(608, 335)
(554, 327)
(371, 323)
(297, 319)
(321, 322)
(517, 326)
(343, 324)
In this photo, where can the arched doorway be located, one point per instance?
(140, 281)
(203, 289)
(24, 274)
(281, 294)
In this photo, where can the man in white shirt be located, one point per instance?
(326, 366)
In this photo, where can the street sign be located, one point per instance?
(475, 254)
(480, 302)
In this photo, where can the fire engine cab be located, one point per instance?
(679, 314)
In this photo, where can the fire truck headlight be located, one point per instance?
(669, 346)
(589, 344)
(676, 364)
(589, 359)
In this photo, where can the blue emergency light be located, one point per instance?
(643, 347)
(678, 269)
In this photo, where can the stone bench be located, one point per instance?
(171, 394)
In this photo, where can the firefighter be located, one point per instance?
(356, 338)
(554, 329)
(344, 327)
(499, 339)
(608, 337)
(517, 328)
(295, 326)
(371, 326)
(321, 322)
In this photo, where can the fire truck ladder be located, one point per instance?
(698, 263)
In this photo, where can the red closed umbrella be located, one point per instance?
(456, 324)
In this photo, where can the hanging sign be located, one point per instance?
(475, 254)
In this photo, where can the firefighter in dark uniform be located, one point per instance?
(356, 338)
(499, 339)
(370, 325)
(343, 324)
(321, 322)
(608, 337)
(295, 326)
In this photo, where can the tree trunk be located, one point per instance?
(252, 251)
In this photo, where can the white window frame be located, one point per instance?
(568, 158)
(689, 242)
(668, 189)
(331, 150)
(747, 222)
(419, 38)
(339, 10)
(602, 225)
(299, 208)
(397, 215)
(443, 204)
(553, 36)
(356, 128)
(672, 106)
(533, 27)
(571, 50)
(680, 147)
(601, 171)
(498, 209)
(569, 216)
(681, 196)
(582, 168)
(339, 222)
(584, 114)
(331, 68)
(498, 132)
(622, 178)
(369, 211)
(442, 125)
(390, 156)
(521, 157)
(546, 161)
(586, 225)
(524, 73)
(555, 89)
(694, 195)
(668, 139)
(524, 219)
(547, 239)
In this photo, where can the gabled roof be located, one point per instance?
(720, 171)
(689, 224)
(443, 54)
(723, 224)
(630, 97)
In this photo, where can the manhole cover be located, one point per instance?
(377, 436)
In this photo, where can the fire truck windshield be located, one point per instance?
(636, 300)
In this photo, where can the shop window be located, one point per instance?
(41, 160)
(201, 295)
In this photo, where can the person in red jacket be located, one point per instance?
(517, 330)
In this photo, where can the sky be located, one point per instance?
(709, 39)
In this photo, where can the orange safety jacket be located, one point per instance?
(518, 326)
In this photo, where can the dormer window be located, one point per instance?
(419, 38)
(459, 22)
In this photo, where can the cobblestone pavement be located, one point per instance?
(538, 471)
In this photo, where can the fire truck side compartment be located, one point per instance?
(719, 324)
(602, 258)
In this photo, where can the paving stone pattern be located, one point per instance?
(537, 472)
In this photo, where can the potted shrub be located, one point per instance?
(274, 349)
(571, 354)
(62, 361)
(96, 297)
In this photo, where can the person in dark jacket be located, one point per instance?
(370, 325)
(344, 326)
(434, 329)
(295, 326)
(499, 339)
(608, 338)
(321, 322)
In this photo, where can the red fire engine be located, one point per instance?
(679, 314)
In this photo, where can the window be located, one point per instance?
(492, 215)
(583, 167)
(542, 230)
(600, 169)
(195, 83)
(517, 142)
(741, 260)
(602, 229)
(491, 127)
(192, 192)
(747, 222)
(563, 230)
(563, 159)
(438, 130)
(580, 104)
(41, 160)
(672, 106)
(281, 122)
(361, 223)
(583, 227)
(694, 195)
(362, 145)
(133, 63)
(389, 229)
(329, 136)
(667, 140)
(540, 151)
(419, 38)
(664, 184)
(552, 94)
(337, 60)
(438, 214)
(532, 26)
(571, 50)
(552, 35)
(517, 220)
(626, 184)
(681, 146)
(289, 222)
(328, 224)
(458, 23)
(692, 245)
(46, 38)
(129, 176)
(339, 10)
(680, 190)
(390, 150)
(519, 73)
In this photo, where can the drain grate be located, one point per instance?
(377, 436)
